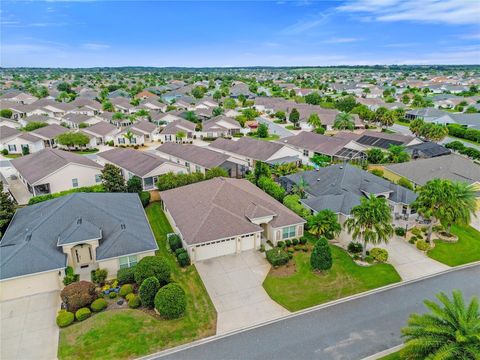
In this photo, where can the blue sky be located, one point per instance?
(69, 33)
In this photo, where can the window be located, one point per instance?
(187, 164)
(134, 140)
(121, 140)
(127, 261)
(98, 178)
(12, 147)
(198, 168)
(75, 183)
(288, 232)
(168, 137)
(305, 152)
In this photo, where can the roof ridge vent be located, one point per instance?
(79, 221)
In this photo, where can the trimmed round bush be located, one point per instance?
(422, 245)
(379, 255)
(297, 247)
(99, 305)
(288, 243)
(321, 258)
(175, 242)
(277, 256)
(400, 231)
(152, 266)
(78, 295)
(134, 302)
(170, 301)
(125, 290)
(126, 275)
(183, 259)
(302, 240)
(145, 198)
(355, 247)
(281, 244)
(65, 318)
(112, 295)
(148, 290)
(295, 242)
(82, 314)
(180, 251)
(369, 259)
(129, 296)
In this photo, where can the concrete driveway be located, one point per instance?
(234, 283)
(28, 329)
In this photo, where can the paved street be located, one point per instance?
(274, 128)
(350, 330)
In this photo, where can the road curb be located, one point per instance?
(307, 311)
(384, 353)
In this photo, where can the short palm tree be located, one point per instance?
(314, 121)
(370, 222)
(129, 136)
(343, 121)
(324, 223)
(448, 332)
(299, 187)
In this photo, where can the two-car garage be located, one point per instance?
(223, 247)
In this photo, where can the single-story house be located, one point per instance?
(148, 129)
(199, 159)
(171, 130)
(39, 118)
(86, 231)
(247, 150)
(49, 134)
(377, 139)
(340, 187)
(220, 126)
(427, 149)
(50, 171)
(224, 216)
(74, 120)
(14, 140)
(102, 131)
(146, 166)
(121, 137)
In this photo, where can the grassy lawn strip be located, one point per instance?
(270, 137)
(304, 288)
(465, 250)
(392, 356)
(122, 334)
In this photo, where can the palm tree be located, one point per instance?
(449, 332)
(324, 223)
(314, 121)
(370, 222)
(129, 136)
(343, 121)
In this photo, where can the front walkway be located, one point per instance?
(234, 283)
(28, 329)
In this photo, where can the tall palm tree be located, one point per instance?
(370, 222)
(449, 332)
(324, 223)
(314, 121)
(343, 121)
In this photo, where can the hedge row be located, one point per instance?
(464, 133)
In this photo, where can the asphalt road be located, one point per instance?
(350, 330)
(274, 128)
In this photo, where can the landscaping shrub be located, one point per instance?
(369, 259)
(170, 301)
(40, 198)
(180, 251)
(400, 231)
(65, 318)
(99, 276)
(281, 244)
(183, 259)
(152, 266)
(78, 295)
(412, 240)
(321, 258)
(70, 276)
(145, 198)
(112, 295)
(82, 314)
(129, 296)
(148, 290)
(175, 242)
(99, 305)
(134, 302)
(297, 248)
(125, 290)
(4, 152)
(288, 243)
(295, 242)
(126, 275)
(423, 245)
(355, 247)
(379, 255)
(417, 231)
(303, 240)
(277, 257)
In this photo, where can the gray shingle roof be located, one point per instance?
(6, 132)
(322, 144)
(245, 146)
(30, 243)
(194, 154)
(50, 131)
(101, 128)
(36, 166)
(218, 208)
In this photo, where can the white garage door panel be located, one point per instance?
(214, 250)
(248, 243)
(29, 285)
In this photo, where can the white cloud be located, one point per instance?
(341, 40)
(306, 24)
(95, 46)
(428, 11)
(474, 36)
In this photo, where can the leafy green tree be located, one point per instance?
(280, 115)
(229, 103)
(344, 121)
(370, 222)
(262, 130)
(6, 113)
(250, 113)
(180, 135)
(217, 111)
(294, 117)
(107, 106)
(215, 172)
(112, 179)
(217, 95)
(314, 98)
(7, 209)
(34, 125)
(397, 154)
(198, 92)
(375, 156)
(405, 183)
(324, 223)
(450, 331)
(321, 257)
(71, 139)
(293, 203)
(261, 170)
(320, 160)
(300, 187)
(271, 188)
(134, 185)
(346, 104)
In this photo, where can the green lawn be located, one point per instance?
(12, 156)
(86, 151)
(404, 123)
(465, 250)
(305, 288)
(124, 334)
(392, 356)
(270, 137)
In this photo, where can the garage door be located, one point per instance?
(211, 250)
(29, 285)
(248, 243)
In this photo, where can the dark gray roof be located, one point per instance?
(340, 187)
(245, 146)
(427, 149)
(80, 230)
(30, 243)
(36, 166)
(322, 144)
(194, 154)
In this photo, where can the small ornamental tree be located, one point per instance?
(152, 266)
(6, 113)
(78, 295)
(7, 209)
(170, 301)
(215, 172)
(112, 179)
(321, 258)
(134, 184)
(294, 117)
(148, 290)
(262, 131)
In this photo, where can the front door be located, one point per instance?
(83, 254)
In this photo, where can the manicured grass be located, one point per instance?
(271, 137)
(392, 356)
(124, 334)
(87, 151)
(465, 250)
(305, 288)
(404, 123)
(12, 156)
